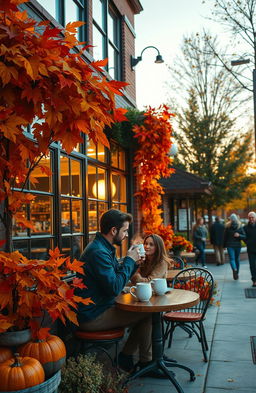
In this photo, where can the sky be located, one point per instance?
(162, 24)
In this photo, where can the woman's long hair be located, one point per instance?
(198, 223)
(159, 256)
(233, 219)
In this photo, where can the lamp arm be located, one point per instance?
(147, 47)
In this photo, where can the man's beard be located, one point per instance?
(116, 240)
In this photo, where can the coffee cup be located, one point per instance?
(141, 249)
(142, 291)
(159, 286)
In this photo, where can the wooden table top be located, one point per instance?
(176, 299)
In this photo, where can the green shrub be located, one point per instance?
(86, 375)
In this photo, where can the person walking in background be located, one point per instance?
(216, 239)
(156, 263)
(250, 232)
(233, 235)
(200, 234)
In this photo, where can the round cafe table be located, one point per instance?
(176, 299)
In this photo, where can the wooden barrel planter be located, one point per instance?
(48, 386)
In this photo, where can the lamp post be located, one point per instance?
(246, 61)
(136, 60)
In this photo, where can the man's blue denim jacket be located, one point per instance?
(104, 277)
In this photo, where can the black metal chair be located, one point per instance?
(178, 262)
(191, 320)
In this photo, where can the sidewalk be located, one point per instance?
(228, 329)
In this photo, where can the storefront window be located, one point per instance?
(41, 214)
(40, 179)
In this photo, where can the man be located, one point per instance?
(105, 278)
(250, 231)
(216, 239)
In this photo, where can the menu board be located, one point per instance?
(182, 219)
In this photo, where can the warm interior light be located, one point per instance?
(102, 189)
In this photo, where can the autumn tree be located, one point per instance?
(43, 76)
(238, 17)
(210, 143)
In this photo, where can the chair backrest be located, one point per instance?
(197, 280)
(178, 262)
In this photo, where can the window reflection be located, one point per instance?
(119, 182)
(77, 246)
(114, 156)
(97, 9)
(17, 229)
(64, 175)
(98, 42)
(22, 247)
(41, 214)
(50, 6)
(71, 11)
(101, 152)
(91, 179)
(75, 178)
(122, 159)
(91, 149)
(77, 216)
(65, 215)
(43, 180)
(40, 248)
(93, 219)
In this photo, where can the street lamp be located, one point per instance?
(246, 61)
(136, 60)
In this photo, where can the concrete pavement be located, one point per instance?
(228, 329)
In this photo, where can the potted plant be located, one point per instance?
(84, 374)
(179, 244)
(32, 289)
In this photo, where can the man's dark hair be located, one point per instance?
(113, 218)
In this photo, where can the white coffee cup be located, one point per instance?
(143, 291)
(141, 249)
(159, 286)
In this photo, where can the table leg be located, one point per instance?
(158, 362)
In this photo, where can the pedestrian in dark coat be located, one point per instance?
(233, 235)
(200, 234)
(250, 232)
(216, 239)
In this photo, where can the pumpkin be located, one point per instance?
(51, 353)
(5, 353)
(20, 373)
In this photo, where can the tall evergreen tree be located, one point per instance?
(210, 145)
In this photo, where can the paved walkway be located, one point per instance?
(228, 328)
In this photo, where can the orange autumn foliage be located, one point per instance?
(46, 83)
(153, 162)
(30, 288)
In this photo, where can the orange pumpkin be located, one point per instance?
(51, 353)
(5, 353)
(20, 373)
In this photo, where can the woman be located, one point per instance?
(233, 235)
(200, 234)
(156, 261)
